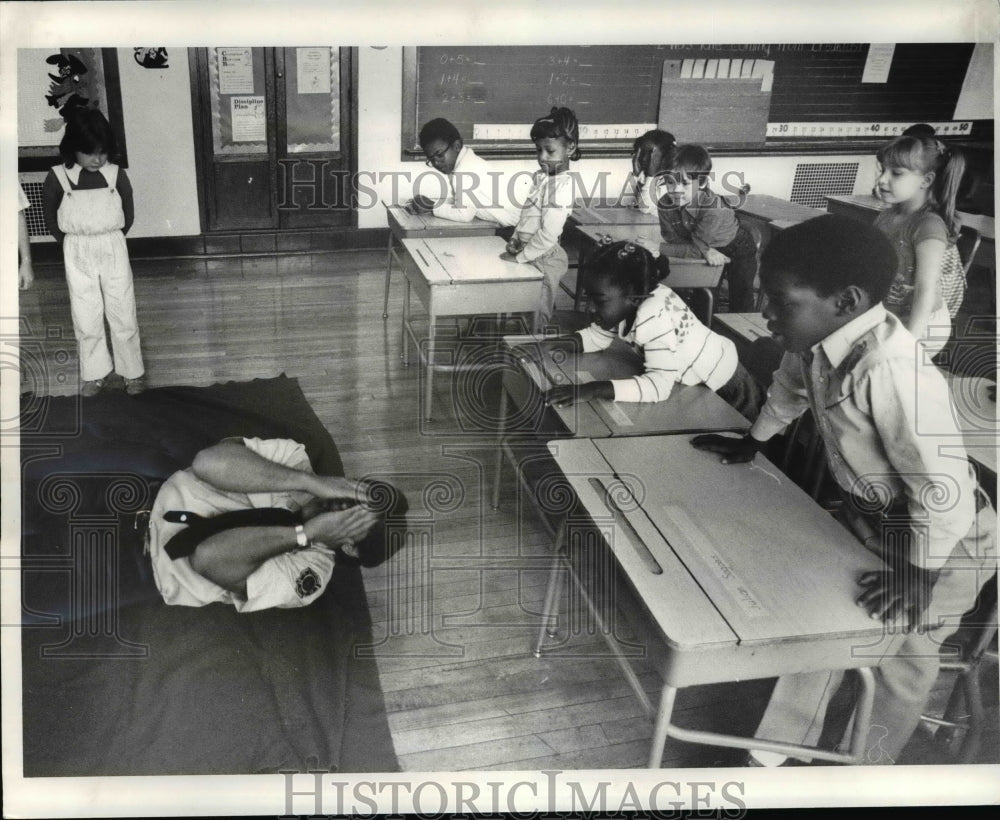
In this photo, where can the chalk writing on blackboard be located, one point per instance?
(494, 90)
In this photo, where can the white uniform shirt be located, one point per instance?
(287, 580)
(477, 191)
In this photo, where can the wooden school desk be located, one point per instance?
(462, 276)
(767, 209)
(689, 408)
(866, 207)
(757, 351)
(403, 225)
(600, 212)
(736, 572)
(606, 212)
(770, 214)
(685, 274)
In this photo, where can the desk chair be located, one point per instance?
(968, 242)
(961, 724)
(758, 240)
(955, 269)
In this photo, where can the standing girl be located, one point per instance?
(549, 203)
(919, 178)
(88, 208)
(630, 302)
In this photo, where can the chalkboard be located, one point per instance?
(491, 92)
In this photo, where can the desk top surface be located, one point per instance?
(866, 201)
(408, 224)
(772, 208)
(607, 213)
(982, 223)
(752, 326)
(746, 556)
(684, 273)
(688, 409)
(596, 232)
(467, 259)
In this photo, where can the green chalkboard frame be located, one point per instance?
(887, 110)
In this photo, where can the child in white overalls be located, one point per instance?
(88, 207)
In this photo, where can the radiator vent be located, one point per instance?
(816, 180)
(34, 214)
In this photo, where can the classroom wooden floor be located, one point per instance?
(455, 614)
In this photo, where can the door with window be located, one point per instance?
(274, 136)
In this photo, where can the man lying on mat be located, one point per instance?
(250, 524)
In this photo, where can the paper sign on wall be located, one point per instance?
(717, 101)
(878, 63)
(313, 66)
(248, 119)
(235, 71)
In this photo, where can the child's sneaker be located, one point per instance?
(92, 388)
(135, 386)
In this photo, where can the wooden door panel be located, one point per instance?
(243, 195)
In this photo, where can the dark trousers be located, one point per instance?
(743, 392)
(741, 271)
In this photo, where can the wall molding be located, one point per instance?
(237, 244)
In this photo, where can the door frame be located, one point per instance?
(204, 154)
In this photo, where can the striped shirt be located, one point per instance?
(675, 345)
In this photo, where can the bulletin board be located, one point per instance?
(312, 100)
(848, 95)
(238, 100)
(42, 92)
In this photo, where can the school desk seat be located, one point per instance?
(968, 242)
(753, 228)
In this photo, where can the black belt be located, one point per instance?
(199, 528)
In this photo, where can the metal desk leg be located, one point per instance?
(388, 274)
(856, 754)
(501, 428)
(668, 696)
(547, 629)
(581, 267)
(405, 352)
(711, 306)
(429, 369)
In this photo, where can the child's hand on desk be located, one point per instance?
(419, 205)
(514, 245)
(733, 450)
(714, 257)
(899, 596)
(566, 394)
